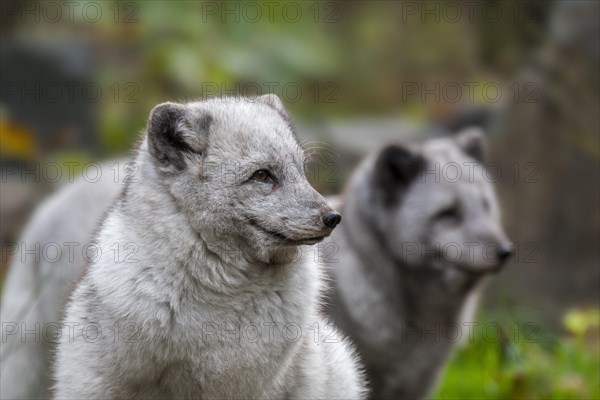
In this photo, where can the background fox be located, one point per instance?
(414, 250)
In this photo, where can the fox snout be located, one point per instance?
(505, 250)
(322, 213)
(331, 219)
(322, 226)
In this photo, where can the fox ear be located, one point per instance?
(396, 167)
(273, 101)
(473, 142)
(174, 131)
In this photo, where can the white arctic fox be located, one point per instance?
(215, 300)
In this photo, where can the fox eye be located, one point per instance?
(262, 175)
(448, 214)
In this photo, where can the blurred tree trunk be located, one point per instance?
(550, 134)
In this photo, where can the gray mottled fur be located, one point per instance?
(215, 250)
(383, 293)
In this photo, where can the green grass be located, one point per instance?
(522, 365)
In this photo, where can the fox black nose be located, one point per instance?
(504, 252)
(331, 219)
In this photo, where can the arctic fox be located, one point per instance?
(421, 231)
(216, 301)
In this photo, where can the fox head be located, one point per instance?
(236, 169)
(436, 205)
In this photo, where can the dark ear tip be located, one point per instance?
(394, 155)
(394, 150)
(163, 106)
(395, 168)
(473, 142)
(161, 110)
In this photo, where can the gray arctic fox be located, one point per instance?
(216, 301)
(421, 232)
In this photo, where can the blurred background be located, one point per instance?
(78, 80)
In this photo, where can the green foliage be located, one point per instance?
(525, 364)
(336, 59)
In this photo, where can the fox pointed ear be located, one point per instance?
(472, 141)
(395, 168)
(175, 131)
(273, 101)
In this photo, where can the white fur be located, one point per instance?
(180, 290)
